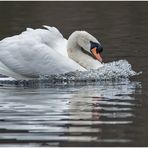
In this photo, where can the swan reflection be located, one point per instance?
(54, 115)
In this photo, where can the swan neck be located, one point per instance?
(73, 41)
(73, 48)
(76, 54)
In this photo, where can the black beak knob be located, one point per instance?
(96, 45)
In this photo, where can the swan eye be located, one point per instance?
(98, 47)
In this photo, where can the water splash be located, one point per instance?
(113, 71)
(110, 71)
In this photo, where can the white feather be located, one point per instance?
(36, 52)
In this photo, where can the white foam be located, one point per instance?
(110, 71)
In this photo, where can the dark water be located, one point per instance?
(87, 114)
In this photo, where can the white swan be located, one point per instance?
(45, 52)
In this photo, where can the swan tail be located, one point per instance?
(53, 30)
(29, 29)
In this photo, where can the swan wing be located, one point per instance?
(59, 43)
(36, 52)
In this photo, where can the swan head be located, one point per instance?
(90, 45)
(85, 49)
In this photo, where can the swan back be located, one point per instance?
(44, 52)
(35, 52)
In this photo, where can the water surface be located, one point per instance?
(77, 115)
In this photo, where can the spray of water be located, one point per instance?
(110, 71)
(113, 71)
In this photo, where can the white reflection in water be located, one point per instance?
(57, 114)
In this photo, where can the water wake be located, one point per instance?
(112, 71)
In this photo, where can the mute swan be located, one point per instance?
(45, 52)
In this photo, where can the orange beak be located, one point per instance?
(96, 55)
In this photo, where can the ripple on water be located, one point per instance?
(94, 114)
